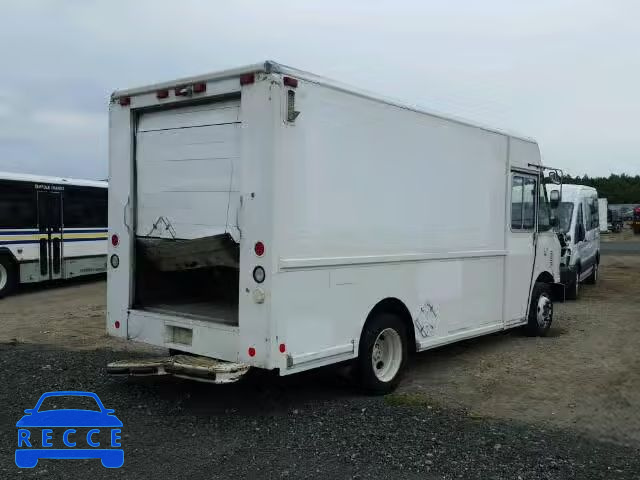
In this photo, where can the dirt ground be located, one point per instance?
(584, 376)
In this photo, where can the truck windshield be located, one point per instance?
(564, 213)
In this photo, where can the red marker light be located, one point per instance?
(252, 352)
(124, 101)
(247, 78)
(199, 87)
(162, 93)
(290, 82)
(282, 348)
(259, 249)
(182, 91)
(115, 240)
(117, 324)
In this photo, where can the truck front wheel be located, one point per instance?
(382, 354)
(540, 311)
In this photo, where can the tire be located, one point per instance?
(593, 278)
(7, 276)
(573, 289)
(540, 311)
(382, 354)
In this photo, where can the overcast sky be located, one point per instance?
(564, 72)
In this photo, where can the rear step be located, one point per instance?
(202, 369)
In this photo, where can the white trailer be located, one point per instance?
(266, 217)
(603, 206)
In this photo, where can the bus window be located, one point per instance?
(85, 207)
(17, 205)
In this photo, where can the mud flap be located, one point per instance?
(202, 369)
(558, 292)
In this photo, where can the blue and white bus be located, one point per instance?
(50, 228)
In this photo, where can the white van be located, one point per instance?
(579, 221)
(267, 217)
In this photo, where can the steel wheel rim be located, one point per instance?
(386, 356)
(4, 277)
(544, 312)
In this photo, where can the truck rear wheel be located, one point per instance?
(540, 311)
(382, 354)
(7, 276)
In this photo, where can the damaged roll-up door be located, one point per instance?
(187, 169)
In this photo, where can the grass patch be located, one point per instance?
(410, 400)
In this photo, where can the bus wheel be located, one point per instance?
(7, 276)
(540, 311)
(382, 353)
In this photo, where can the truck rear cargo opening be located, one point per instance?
(270, 218)
(186, 164)
(194, 278)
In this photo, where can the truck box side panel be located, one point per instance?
(365, 178)
(376, 201)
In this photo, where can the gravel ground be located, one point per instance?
(308, 426)
(502, 406)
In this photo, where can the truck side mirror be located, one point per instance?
(554, 177)
(554, 199)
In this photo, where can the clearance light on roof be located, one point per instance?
(290, 82)
(247, 78)
(199, 87)
(162, 93)
(124, 101)
(182, 91)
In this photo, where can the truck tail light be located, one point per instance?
(115, 240)
(259, 249)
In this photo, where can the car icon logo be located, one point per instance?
(69, 433)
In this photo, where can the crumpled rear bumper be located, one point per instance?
(193, 367)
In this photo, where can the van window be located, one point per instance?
(579, 220)
(565, 214)
(523, 202)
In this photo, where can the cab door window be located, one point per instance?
(523, 202)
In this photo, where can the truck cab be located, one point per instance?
(579, 227)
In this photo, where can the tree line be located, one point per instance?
(615, 188)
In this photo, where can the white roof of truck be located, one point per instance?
(25, 177)
(270, 66)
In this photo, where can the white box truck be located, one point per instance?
(266, 217)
